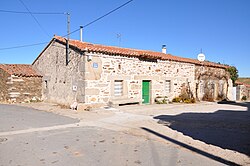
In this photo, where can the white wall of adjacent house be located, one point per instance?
(231, 95)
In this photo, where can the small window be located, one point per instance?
(168, 86)
(118, 87)
(46, 84)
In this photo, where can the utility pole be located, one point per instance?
(67, 43)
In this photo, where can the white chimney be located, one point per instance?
(164, 49)
(81, 33)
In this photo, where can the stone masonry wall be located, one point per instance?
(24, 89)
(61, 83)
(3, 86)
(103, 70)
(90, 77)
(17, 89)
(242, 90)
(212, 83)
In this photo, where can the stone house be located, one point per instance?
(19, 83)
(242, 89)
(98, 74)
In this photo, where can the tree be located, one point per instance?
(233, 74)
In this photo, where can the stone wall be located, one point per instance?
(3, 86)
(15, 89)
(212, 83)
(103, 70)
(242, 90)
(61, 83)
(90, 77)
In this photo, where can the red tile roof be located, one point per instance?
(84, 46)
(242, 83)
(20, 70)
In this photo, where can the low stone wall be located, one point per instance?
(23, 89)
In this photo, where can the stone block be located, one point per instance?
(92, 92)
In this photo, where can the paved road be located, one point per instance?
(14, 118)
(225, 128)
(49, 139)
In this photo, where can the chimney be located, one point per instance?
(164, 49)
(81, 27)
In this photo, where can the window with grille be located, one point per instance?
(168, 86)
(118, 87)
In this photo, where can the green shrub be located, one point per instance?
(244, 98)
(161, 100)
(185, 100)
(192, 100)
(176, 99)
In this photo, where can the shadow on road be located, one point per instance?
(228, 129)
(211, 156)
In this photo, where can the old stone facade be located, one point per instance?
(4, 86)
(212, 83)
(97, 74)
(19, 85)
(100, 80)
(243, 91)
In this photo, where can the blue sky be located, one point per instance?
(220, 27)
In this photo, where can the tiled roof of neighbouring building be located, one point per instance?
(242, 83)
(111, 50)
(20, 70)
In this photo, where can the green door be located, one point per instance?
(145, 92)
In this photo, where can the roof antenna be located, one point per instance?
(201, 56)
(119, 37)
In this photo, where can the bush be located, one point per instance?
(185, 100)
(192, 100)
(176, 99)
(161, 100)
(244, 98)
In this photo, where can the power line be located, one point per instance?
(107, 13)
(100, 17)
(35, 44)
(38, 13)
(21, 46)
(88, 24)
(35, 19)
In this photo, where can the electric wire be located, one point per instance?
(38, 13)
(35, 44)
(86, 25)
(21, 46)
(99, 18)
(35, 19)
